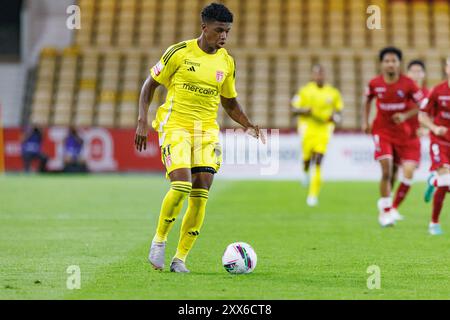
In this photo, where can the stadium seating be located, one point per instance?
(98, 80)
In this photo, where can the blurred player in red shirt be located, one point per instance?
(417, 72)
(395, 141)
(435, 115)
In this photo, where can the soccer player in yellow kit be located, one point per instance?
(318, 106)
(199, 75)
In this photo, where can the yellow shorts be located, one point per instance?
(183, 149)
(315, 142)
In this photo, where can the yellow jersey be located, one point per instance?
(195, 81)
(323, 102)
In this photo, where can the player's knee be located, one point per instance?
(443, 180)
(386, 175)
(182, 189)
(407, 181)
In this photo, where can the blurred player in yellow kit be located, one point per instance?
(199, 74)
(318, 106)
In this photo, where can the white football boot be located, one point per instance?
(178, 266)
(386, 219)
(157, 254)
(396, 215)
(435, 229)
(312, 201)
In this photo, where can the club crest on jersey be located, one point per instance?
(219, 76)
(158, 68)
(400, 93)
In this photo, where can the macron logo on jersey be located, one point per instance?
(158, 68)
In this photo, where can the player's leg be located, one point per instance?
(431, 186)
(395, 171)
(432, 178)
(440, 159)
(307, 159)
(443, 185)
(27, 160)
(385, 201)
(206, 161)
(384, 154)
(409, 155)
(42, 162)
(319, 146)
(306, 165)
(202, 179)
(408, 169)
(176, 156)
(316, 180)
(180, 188)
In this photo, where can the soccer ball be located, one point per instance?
(239, 257)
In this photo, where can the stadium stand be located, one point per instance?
(97, 81)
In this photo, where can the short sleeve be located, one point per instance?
(416, 93)
(300, 99)
(163, 71)
(369, 91)
(229, 85)
(339, 104)
(428, 104)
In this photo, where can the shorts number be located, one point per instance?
(435, 149)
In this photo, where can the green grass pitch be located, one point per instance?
(104, 225)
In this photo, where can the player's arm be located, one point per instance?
(427, 122)
(297, 105)
(146, 97)
(370, 94)
(428, 107)
(228, 99)
(234, 110)
(416, 94)
(161, 73)
(366, 114)
(304, 112)
(400, 117)
(336, 117)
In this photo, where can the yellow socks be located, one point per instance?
(316, 182)
(171, 207)
(192, 222)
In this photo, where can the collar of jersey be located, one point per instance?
(200, 51)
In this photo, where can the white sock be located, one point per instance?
(407, 182)
(384, 203)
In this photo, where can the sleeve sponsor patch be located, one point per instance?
(157, 69)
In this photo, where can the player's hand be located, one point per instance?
(366, 128)
(255, 132)
(336, 118)
(398, 117)
(140, 139)
(440, 131)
